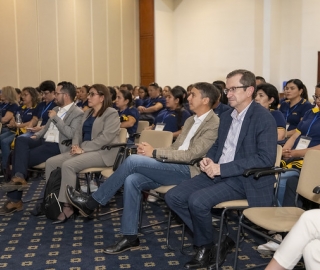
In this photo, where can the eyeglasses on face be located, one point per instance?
(233, 89)
(56, 93)
(45, 93)
(316, 97)
(92, 94)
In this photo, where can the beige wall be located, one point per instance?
(203, 40)
(82, 41)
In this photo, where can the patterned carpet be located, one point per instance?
(28, 242)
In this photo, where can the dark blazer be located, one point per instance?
(256, 147)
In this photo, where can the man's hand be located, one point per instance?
(145, 149)
(209, 167)
(75, 150)
(52, 113)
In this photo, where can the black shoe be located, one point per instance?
(226, 247)
(200, 260)
(122, 246)
(38, 211)
(78, 200)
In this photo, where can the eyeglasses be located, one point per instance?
(56, 93)
(233, 89)
(316, 97)
(91, 94)
(45, 93)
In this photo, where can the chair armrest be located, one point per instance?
(110, 146)
(191, 162)
(136, 135)
(316, 190)
(275, 170)
(66, 142)
(249, 172)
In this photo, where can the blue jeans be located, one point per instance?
(282, 184)
(138, 173)
(6, 140)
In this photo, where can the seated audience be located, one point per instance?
(62, 123)
(129, 115)
(83, 97)
(41, 113)
(173, 117)
(268, 97)
(9, 107)
(302, 240)
(135, 92)
(142, 172)
(260, 80)
(143, 95)
(220, 107)
(223, 98)
(100, 126)
(295, 105)
(165, 91)
(152, 105)
(25, 112)
(247, 138)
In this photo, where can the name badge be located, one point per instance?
(160, 126)
(51, 137)
(287, 126)
(39, 123)
(303, 143)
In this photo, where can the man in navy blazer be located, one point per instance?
(247, 138)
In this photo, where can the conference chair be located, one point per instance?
(282, 219)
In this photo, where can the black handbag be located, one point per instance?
(123, 153)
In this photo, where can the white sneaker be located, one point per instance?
(152, 198)
(270, 246)
(93, 187)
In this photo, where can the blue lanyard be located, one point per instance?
(25, 112)
(150, 102)
(5, 106)
(314, 119)
(45, 109)
(290, 111)
(62, 115)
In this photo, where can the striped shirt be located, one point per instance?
(230, 145)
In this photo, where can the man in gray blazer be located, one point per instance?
(62, 124)
(142, 172)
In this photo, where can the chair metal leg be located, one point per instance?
(222, 222)
(237, 243)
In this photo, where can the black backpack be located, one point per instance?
(51, 206)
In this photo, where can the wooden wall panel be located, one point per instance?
(100, 45)
(66, 41)
(83, 23)
(318, 77)
(147, 58)
(48, 45)
(115, 42)
(8, 56)
(27, 42)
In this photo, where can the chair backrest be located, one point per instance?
(123, 135)
(279, 155)
(141, 126)
(157, 138)
(309, 176)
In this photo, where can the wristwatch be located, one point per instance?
(154, 153)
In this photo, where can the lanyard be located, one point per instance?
(45, 109)
(314, 119)
(25, 112)
(62, 115)
(290, 111)
(166, 115)
(150, 102)
(5, 106)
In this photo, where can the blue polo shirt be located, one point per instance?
(41, 111)
(310, 126)
(294, 114)
(221, 108)
(170, 118)
(278, 116)
(82, 104)
(26, 113)
(132, 111)
(7, 107)
(149, 102)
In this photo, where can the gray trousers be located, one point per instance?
(70, 166)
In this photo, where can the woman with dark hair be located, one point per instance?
(173, 117)
(296, 104)
(83, 97)
(19, 125)
(268, 97)
(143, 95)
(113, 93)
(222, 85)
(219, 107)
(166, 90)
(9, 107)
(100, 126)
(129, 115)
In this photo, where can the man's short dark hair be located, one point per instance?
(208, 90)
(248, 79)
(68, 88)
(47, 86)
(260, 79)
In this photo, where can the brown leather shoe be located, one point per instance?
(16, 183)
(10, 207)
